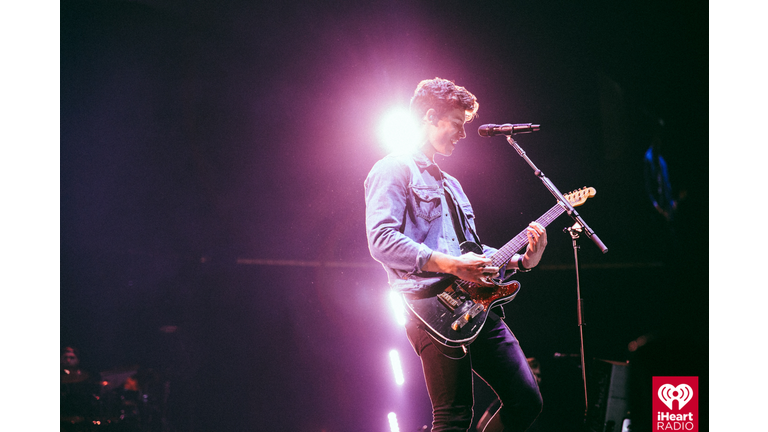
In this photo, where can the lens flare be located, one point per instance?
(393, 427)
(398, 308)
(397, 368)
(398, 131)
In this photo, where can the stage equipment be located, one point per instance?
(579, 227)
(489, 130)
(609, 407)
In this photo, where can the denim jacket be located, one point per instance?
(407, 218)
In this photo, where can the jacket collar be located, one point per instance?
(422, 161)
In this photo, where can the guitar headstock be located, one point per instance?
(579, 196)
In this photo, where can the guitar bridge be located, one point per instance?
(467, 317)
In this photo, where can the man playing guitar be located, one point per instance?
(416, 218)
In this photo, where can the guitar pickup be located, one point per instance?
(467, 317)
(448, 300)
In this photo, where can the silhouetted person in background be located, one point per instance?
(79, 392)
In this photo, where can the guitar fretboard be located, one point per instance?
(521, 240)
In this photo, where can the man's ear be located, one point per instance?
(431, 117)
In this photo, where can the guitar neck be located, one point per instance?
(521, 240)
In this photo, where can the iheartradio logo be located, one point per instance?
(671, 416)
(669, 393)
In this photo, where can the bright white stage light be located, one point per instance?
(393, 427)
(398, 131)
(397, 368)
(398, 308)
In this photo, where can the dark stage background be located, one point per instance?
(212, 215)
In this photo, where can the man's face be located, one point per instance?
(448, 131)
(69, 360)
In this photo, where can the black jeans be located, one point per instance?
(496, 357)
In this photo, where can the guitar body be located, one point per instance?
(454, 311)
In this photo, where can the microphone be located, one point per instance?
(489, 130)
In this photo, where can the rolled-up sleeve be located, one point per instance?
(386, 189)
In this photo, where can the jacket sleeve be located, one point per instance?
(386, 197)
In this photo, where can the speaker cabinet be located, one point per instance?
(607, 391)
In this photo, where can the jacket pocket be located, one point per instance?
(426, 202)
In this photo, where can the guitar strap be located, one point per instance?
(454, 217)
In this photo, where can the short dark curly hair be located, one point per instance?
(443, 95)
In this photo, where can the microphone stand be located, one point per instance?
(559, 196)
(579, 226)
(574, 232)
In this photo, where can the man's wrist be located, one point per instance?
(440, 262)
(520, 266)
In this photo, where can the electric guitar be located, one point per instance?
(453, 311)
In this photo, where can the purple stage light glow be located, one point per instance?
(398, 308)
(397, 368)
(393, 427)
(398, 130)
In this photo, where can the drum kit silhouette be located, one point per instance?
(126, 399)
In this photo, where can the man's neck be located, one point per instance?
(429, 151)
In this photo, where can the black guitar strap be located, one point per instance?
(455, 217)
(459, 220)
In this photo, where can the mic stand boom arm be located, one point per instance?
(559, 196)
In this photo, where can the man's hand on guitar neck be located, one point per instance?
(470, 267)
(537, 242)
